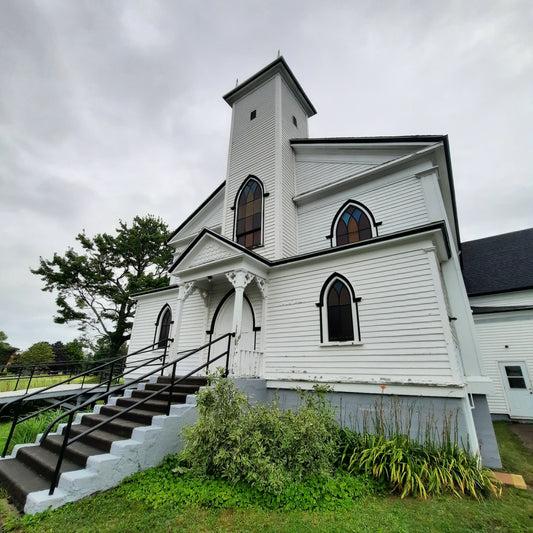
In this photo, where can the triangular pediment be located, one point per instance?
(207, 250)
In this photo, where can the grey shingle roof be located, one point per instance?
(498, 264)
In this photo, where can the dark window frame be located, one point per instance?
(163, 327)
(257, 217)
(373, 225)
(330, 333)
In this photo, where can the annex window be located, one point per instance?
(249, 214)
(339, 313)
(353, 223)
(163, 325)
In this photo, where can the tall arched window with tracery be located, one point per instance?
(249, 215)
(163, 325)
(353, 223)
(339, 312)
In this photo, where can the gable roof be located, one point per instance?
(196, 211)
(500, 263)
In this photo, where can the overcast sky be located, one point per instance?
(112, 109)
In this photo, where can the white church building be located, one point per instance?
(334, 261)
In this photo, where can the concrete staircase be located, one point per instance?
(135, 441)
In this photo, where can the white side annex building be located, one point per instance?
(334, 260)
(498, 273)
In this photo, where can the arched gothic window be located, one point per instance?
(249, 216)
(353, 223)
(163, 324)
(339, 313)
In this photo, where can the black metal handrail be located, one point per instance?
(70, 414)
(30, 371)
(83, 391)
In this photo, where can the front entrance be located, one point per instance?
(223, 320)
(518, 391)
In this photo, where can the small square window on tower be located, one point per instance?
(294, 121)
(253, 114)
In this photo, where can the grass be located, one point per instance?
(9, 385)
(112, 511)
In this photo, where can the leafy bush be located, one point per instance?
(260, 444)
(168, 485)
(419, 469)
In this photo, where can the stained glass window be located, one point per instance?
(249, 215)
(164, 329)
(353, 226)
(339, 308)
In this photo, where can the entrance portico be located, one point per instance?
(232, 284)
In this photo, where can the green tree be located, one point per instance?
(93, 287)
(38, 353)
(6, 350)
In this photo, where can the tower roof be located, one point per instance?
(278, 66)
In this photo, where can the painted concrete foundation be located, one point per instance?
(421, 417)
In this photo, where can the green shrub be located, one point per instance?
(260, 444)
(410, 467)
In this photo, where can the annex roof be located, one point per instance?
(501, 263)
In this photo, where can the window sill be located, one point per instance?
(346, 343)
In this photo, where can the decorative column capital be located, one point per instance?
(263, 285)
(185, 290)
(240, 279)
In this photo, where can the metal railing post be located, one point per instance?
(18, 379)
(29, 380)
(230, 336)
(110, 376)
(61, 454)
(208, 354)
(172, 380)
(11, 431)
(164, 356)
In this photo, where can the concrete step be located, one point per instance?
(121, 427)
(44, 461)
(79, 451)
(19, 480)
(103, 457)
(154, 406)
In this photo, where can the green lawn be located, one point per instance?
(112, 512)
(8, 385)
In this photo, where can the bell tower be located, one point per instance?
(268, 110)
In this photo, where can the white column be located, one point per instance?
(240, 280)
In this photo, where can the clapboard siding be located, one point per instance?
(315, 174)
(253, 152)
(399, 322)
(494, 333)
(524, 297)
(290, 108)
(144, 326)
(398, 205)
(192, 332)
(208, 217)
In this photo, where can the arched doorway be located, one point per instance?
(222, 324)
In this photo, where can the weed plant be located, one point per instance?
(27, 431)
(170, 484)
(430, 463)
